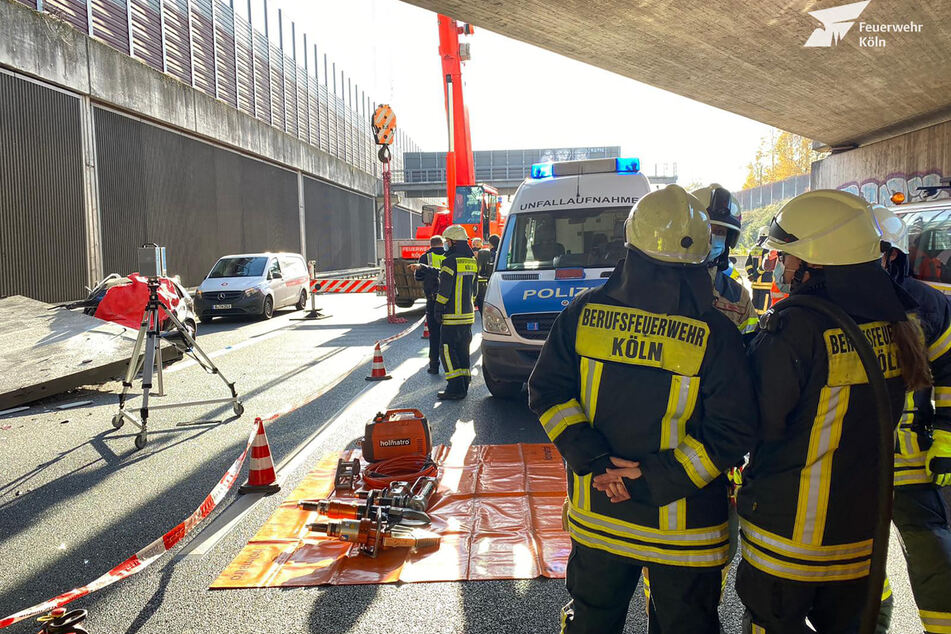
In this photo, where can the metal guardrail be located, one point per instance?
(207, 45)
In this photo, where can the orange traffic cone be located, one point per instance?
(261, 476)
(425, 330)
(377, 371)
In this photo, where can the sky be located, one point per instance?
(518, 95)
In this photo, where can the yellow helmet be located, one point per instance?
(894, 229)
(670, 225)
(827, 227)
(456, 233)
(477, 243)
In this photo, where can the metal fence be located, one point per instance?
(205, 44)
(757, 197)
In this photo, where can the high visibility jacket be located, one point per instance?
(733, 300)
(428, 274)
(919, 416)
(754, 263)
(669, 391)
(806, 507)
(457, 286)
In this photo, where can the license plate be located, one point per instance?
(221, 306)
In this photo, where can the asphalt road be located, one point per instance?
(76, 498)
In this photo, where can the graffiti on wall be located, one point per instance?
(880, 191)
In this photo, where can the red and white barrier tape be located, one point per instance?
(347, 286)
(142, 559)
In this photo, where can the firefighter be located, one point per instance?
(807, 511)
(457, 287)
(923, 445)
(730, 297)
(427, 272)
(647, 490)
(484, 260)
(759, 271)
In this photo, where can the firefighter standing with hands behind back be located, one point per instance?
(647, 489)
(807, 511)
(454, 311)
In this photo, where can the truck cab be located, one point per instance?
(563, 235)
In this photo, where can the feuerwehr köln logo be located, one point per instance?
(836, 22)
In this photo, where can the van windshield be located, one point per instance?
(239, 267)
(591, 237)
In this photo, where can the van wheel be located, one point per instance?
(268, 310)
(301, 301)
(404, 303)
(501, 389)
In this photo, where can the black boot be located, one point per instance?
(449, 395)
(433, 369)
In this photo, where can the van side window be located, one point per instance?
(275, 268)
(929, 245)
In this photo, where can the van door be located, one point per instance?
(276, 282)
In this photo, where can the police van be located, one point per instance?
(564, 234)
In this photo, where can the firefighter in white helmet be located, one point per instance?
(923, 445)
(454, 310)
(807, 511)
(647, 490)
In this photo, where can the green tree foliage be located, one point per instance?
(753, 219)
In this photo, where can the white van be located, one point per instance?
(564, 234)
(253, 284)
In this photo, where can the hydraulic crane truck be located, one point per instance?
(474, 206)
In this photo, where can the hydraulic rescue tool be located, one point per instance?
(370, 535)
(352, 509)
(59, 621)
(401, 494)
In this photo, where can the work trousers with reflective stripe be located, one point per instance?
(455, 342)
(780, 606)
(434, 328)
(921, 517)
(683, 599)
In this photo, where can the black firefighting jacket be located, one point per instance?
(807, 504)
(457, 286)
(428, 273)
(919, 416)
(665, 389)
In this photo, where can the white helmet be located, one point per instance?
(456, 233)
(827, 227)
(894, 229)
(670, 225)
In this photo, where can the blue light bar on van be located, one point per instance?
(631, 165)
(541, 170)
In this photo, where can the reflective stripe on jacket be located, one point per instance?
(457, 287)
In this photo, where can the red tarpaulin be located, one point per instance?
(125, 303)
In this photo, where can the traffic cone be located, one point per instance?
(261, 476)
(377, 371)
(425, 330)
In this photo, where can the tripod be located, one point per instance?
(150, 336)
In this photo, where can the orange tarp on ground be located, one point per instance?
(497, 508)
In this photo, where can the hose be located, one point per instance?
(886, 459)
(377, 475)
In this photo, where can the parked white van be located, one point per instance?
(564, 234)
(253, 284)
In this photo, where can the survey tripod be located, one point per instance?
(147, 357)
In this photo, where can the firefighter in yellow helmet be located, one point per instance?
(646, 490)
(729, 296)
(454, 310)
(923, 445)
(807, 504)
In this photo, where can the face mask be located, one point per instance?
(778, 274)
(717, 246)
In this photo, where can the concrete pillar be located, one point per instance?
(93, 218)
(301, 213)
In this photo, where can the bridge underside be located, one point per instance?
(749, 58)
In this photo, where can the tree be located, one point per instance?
(779, 156)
